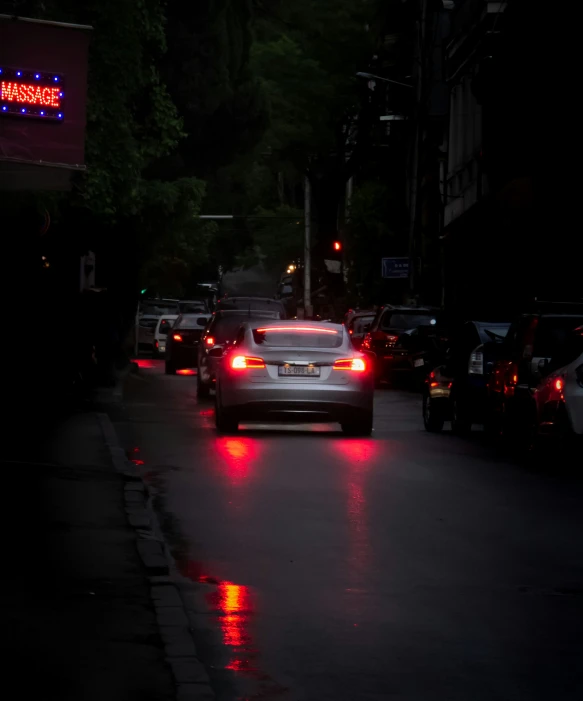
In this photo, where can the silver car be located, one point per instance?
(294, 371)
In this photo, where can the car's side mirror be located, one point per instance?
(216, 352)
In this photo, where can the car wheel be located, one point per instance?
(363, 427)
(433, 414)
(202, 390)
(460, 424)
(169, 369)
(225, 422)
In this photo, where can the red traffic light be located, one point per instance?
(337, 246)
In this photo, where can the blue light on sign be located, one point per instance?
(395, 268)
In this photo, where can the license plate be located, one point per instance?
(299, 370)
(418, 363)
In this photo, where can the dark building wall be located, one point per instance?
(524, 240)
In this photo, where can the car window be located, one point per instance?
(252, 304)
(192, 321)
(148, 323)
(498, 330)
(359, 323)
(224, 329)
(553, 333)
(166, 324)
(286, 337)
(405, 320)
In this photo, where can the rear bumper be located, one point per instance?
(277, 402)
(183, 356)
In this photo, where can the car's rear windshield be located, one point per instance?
(406, 320)
(193, 321)
(552, 334)
(224, 329)
(166, 323)
(263, 305)
(306, 337)
(495, 332)
(360, 322)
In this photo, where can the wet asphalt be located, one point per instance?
(406, 566)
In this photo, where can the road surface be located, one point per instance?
(406, 566)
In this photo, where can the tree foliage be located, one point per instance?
(170, 96)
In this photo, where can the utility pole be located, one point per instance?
(416, 174)
(307, 246)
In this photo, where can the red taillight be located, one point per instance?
(242, 362)
(209, 340)
(294, 329)
(350, 331)
(559, 384)
(156, 344)
(177, 337)
(382, 336)
(355, 364)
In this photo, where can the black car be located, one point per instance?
(532, 341)
(457, 390)
(388, 328)
(218, 336)
(182, 342)
(251, 304)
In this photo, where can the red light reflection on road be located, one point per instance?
(233, 605)
(144, 363)
(237, 455)
(358, 457)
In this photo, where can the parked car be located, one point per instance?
(387, 327)
(295, 371)
(183, 340)
(559, 395)
(161, 333)
(251, 304)
(457, 390)
(218, 335)
(358, 327)
(532, 341)
(416, 351)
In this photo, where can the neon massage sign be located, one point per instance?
(37, 94)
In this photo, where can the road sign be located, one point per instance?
(395, 268)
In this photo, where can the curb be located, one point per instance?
(192, 681)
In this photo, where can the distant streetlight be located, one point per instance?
(371, 76)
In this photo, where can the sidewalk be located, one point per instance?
(78, 618)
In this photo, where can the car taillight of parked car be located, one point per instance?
(476, 364)
(579, 375)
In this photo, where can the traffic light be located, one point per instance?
(337, 246)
